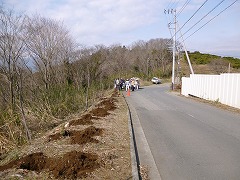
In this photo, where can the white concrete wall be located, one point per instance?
(224, 88)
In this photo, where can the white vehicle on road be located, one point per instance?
(156, 80)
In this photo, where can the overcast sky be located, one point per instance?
(109, 22)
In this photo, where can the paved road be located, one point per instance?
(188, 139)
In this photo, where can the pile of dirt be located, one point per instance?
(58, 136)
(72, 165)
(100, 112)
(85, 136)
(78, 137)
(104, 106)
(81, 151)
(115, 93)
(84, 120)
(108, 104)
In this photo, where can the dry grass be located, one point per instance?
(112, 147)
(217, 104)
(144, 171)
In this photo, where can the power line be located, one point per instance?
(177, 3)
(169, 10)
(203, 17)
(168, 22)
(191, 16)
(212, 19)
(173, 4)
(172, 11)
(170, 4)
(183, 7)
(185, 49)
(206, 22)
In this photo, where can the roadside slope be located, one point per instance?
(93, 145)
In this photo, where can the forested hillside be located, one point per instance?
(45, 75)
(210, 64)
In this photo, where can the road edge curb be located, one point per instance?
(142, 147)
(133, 147)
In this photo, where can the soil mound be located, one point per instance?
(111, 158)
(86, 136)
(79, 137)
(108, 104)
(84, 120)
(100, 112)
(58, 136)
(115, 93)
(35, 161)
(72, 165)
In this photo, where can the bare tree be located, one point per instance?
(160, 56)
(219, 65)
(118, 60)
(11, 48)
(20, 84)
(140, 56)
(44, 38)
(11, 54)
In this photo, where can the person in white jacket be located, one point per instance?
(127, 85)
(136, 84)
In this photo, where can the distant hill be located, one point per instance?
(209, 64)
(234, 61)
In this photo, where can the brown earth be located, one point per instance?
(79, 137)
(84, 120)
(94, 145)
(100, 112)
(72, 165)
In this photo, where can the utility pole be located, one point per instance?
(173, 11)
(186, 53)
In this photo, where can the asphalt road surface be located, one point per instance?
(188, 139)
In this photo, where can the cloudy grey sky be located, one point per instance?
(109, 22)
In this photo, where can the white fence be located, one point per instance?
(224, 88)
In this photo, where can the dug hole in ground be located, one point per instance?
(93, 145)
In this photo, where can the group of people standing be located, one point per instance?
(128, 84)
